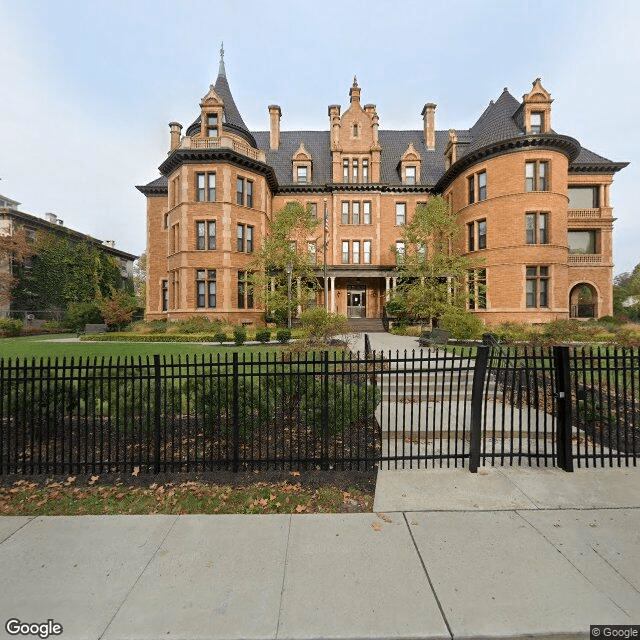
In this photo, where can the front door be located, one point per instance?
(356, 303)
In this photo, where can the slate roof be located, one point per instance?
(502, 120)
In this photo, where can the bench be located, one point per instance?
(95, 328)
(433, 337)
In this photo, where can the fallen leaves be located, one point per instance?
(376, 526)
(136, 471)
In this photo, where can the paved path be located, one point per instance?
(502, 554)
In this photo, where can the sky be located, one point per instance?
(88, 88)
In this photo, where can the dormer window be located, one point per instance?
(212, 125)
(410, 165)
(302, 165)
(537, 122)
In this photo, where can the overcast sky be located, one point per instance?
(88, 88)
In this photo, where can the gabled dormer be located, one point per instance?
(536, 109)
(451, 150)
(302, 164)
(410, 166)
(211, 114)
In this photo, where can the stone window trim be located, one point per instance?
(537, 227)
(206, 231)
(537, 279)
(537, 175)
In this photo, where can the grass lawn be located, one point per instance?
(43, 347)
(289, 496)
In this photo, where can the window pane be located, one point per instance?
(536, 122)
(542, 176)
(401, 209)
(314, 209)
(584, 197)
(200, 235)
(212, 234)
(366, 213)
(356, 252)
(212, 295)
(345, 213)
(211, 195)
(200, 287)
(365, 171)
(240, 237)
(532, 271)
(482, 186)
(355, 214)
(471, 236)
(530, 173)
(302, 174)
(249, 239)
(240, 191)
(367, 251)
(482, 234)
(200, 187)
(410, 175)
(345, 252)
(249, 193)
(471, 189)
(530, 223)
(582, 242)
(355, 171)
(544, 302)
(531, 293)
(345, 171)
(542, 232)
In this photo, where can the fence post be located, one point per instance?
(235, 415)
(156, 411)
(324, 463)
(477, 392)
(564, 409)
(367, 346)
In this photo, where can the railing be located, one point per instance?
(585, 213)
(222, 143)
(491, 406)
(586, 258)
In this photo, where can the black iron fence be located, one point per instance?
(486, 406)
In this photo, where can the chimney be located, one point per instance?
(51, 217)
(175, 128)
(429, 117)
(274, 118)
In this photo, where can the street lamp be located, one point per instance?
(289, 269)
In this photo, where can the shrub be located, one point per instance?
(263, 335)
(283, 336)
(221, 337)
(10, 327)
(81, 313)
(320, 325)
(239, 334)
(461, 324)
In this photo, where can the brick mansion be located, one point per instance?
(533, 204)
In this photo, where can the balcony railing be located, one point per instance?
(222, 143)
(585, 213)
(582, 258)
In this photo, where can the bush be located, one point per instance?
(461, 324)
(320, 325)
(81, 313)
(10, 327)
(283, 336)
(239, 334)
(263, 335)
(221, 337)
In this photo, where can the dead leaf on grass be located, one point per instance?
(300, 508)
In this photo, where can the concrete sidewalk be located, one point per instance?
(504, 554)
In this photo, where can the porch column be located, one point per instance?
(387, 287)
(395, 282)
(332, 283)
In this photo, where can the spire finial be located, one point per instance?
(221, 70)
(355, 81)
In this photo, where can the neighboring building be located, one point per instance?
(11, 218)
(533, 205)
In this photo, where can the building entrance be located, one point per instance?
(356, 306)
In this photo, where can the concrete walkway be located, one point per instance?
(513, 553)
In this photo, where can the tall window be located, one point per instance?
(244, 238)
(536, 175)
(366, 255)
(311, 250)
(240, 191)
(537, 228)
(345, 213)
(165, 295)
(205, 235)
(482, 234)
(313, 208)
(245, 291)
(345, 170)
(537, 287)
(366, 212)
(211, 187)
(365, 170)
(354, 172)
(205, 187)
(301, 174)
(249, 234)
(399, 251)
(401, 213)
(240, 237)
(477, 288)
(536, 121)
(200, 190)
(482, 186)
(355, 213)
(356, 251)
(212, 125)
(471, 236)
(345, 252)
(471, 189)
(249, 193)
(410, 175)
(200, 236)
(206, 288)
